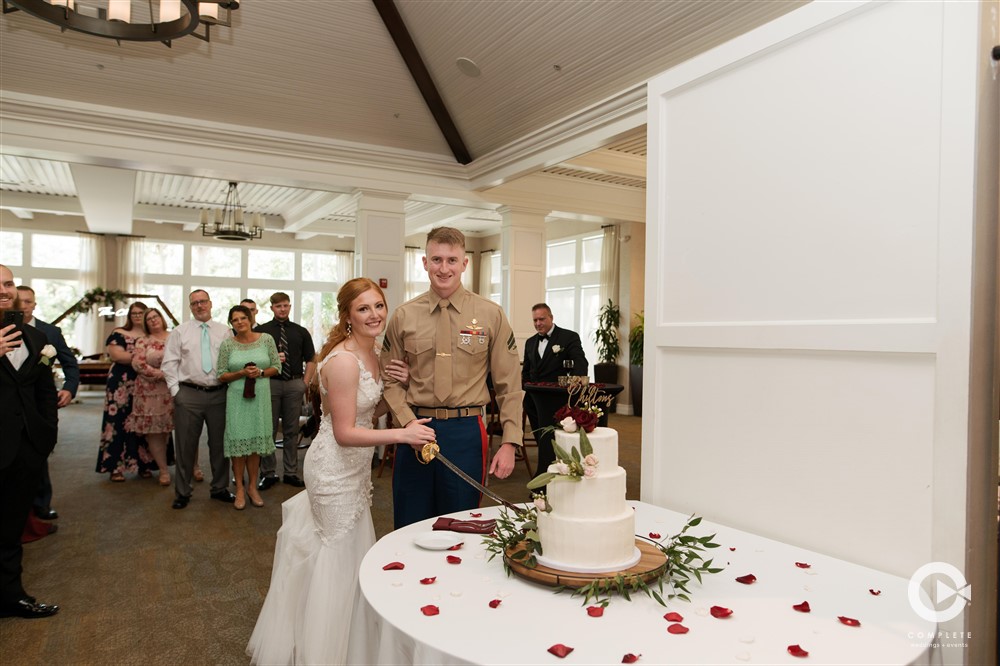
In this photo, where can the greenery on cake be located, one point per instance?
(516, 537)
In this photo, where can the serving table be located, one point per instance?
(531, 618)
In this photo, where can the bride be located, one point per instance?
(309, 614)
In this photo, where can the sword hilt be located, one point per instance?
(428, 453)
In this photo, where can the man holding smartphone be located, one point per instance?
(30, 422)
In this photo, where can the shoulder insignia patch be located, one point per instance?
(511, 343)
(385, 344)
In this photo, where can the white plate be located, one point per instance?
(439, 540)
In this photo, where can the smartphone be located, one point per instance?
(15, 317)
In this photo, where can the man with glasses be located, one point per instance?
(199, 398)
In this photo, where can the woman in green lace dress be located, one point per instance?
(248, 356)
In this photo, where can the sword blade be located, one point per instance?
(475, 484)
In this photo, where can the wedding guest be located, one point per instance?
(552, 352)
(313, 611)
(189, 368)
(243, 359)
(288, 388)
(451, 339)
(251, 305)
(29, 421)
(152, 407)
(71, 382)
(122, 451)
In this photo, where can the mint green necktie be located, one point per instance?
(206, 349)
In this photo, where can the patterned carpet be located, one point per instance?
(140, 583)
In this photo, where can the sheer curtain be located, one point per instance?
(467, 280)
(129, 278)
(610, 253)
(414, 275)
(485, 273)
(92, 274)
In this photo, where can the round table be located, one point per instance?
(531, 618)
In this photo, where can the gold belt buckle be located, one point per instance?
(441, 413)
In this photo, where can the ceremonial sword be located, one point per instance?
(431, 451)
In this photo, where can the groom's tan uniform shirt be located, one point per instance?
(482, 342)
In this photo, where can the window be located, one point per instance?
(216, 261)
(162, 258)
(414, 275)
(54, 297)
(171, 295)
(223, 298)
(319, 314)
(53, 251)
(272, 264)
(323, 267)
(496, 279)
(573, 286)
(11, 248)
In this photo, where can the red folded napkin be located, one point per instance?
(465, 526)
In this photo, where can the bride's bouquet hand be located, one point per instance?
(416, 434)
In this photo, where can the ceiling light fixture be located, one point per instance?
(130, 20)
(227, 223)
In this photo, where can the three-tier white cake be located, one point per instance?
(590, 528)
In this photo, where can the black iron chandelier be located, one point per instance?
(130, 20)
(227, 220)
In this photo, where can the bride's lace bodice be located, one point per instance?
(338, 478)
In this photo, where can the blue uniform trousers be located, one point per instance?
(424, 491)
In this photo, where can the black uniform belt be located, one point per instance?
(206, 389)
(445, 413)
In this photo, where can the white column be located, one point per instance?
(523, 259)
(378, 241)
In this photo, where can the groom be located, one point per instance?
(29, 423)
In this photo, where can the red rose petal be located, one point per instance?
(476, 515)
(749, 579)
(428, 581)
(849, 621)
(803, 607)
(456, 546)
(560, 650)
(454, 559)
(495, 603)
(677, 628)
(803, 565)
(733, 549)
(630, 658)
(874, 593)
(673, 617)
(430, 610)
(720, 612)
(393, 566)
(654, 535)
(797, 651)
(595, 611)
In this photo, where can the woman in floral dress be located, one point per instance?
(247, 355)
(122, 451)
(152, 407)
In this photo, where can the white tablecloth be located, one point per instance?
(531, 618)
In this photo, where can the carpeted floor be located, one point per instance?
(140, 583)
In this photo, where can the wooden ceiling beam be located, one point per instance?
(422, 77)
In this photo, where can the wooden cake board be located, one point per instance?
(651, 565)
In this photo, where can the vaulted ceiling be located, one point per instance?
(323, 81)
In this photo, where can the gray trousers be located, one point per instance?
(286, 404)
(192, 410)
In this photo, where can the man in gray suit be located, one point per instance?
(71, 382)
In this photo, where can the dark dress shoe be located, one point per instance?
(180, 502)
(27, 608)
(47, 513)
(224, 496)
(293, 480)
(266, 482)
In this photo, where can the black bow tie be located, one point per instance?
(542, 336)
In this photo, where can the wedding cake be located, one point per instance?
(590, 528)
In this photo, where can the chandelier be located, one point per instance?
(227, 222)
(130, 20)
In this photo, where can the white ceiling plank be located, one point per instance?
(313, 208)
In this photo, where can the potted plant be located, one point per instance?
(635, 340)
(609, 318)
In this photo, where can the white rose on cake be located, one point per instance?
(568, 424)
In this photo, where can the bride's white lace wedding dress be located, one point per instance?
(309, 614)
